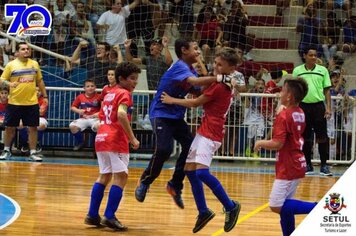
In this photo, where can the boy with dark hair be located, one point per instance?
(216, 101)
(290, 166)
(112, 147)
(168, 120)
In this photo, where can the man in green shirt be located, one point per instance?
(313, 105)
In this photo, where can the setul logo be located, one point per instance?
(335, 204)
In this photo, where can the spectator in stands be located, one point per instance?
(316, 112)
(4, 93)
(156, 63)
(140, 24)
(281, 5)
(271, 87)
(113, 22)
(345, 5)
(87, 105)
(331, 37)
(207, 34)
(254, 118)
(349, 35)
(96, 8)
(23, 101)
(97, 65)
(23, 131)
(111, 86)
(234, 30)
(309, 27)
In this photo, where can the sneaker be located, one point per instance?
(231, 217)
(39, 147)
(310, 170)
(25, 148)
(78, 147)
(37, 157)
(92, 220)
(203, 219)
(113, 223)
(177, 196)
(140, 192)
(324, 170)
(5, 155)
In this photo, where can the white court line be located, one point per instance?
(17, 211)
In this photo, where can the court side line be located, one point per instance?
(245, 217)
(17, 211)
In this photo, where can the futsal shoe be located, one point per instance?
(310, 170)
(140, 192)
(203, 219)
(37, 157)
(232, 216)
(177, 196)
(93, 220)
(5, 155)
(113, 223)
(324, 170)
(78, 147)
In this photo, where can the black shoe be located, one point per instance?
(310, 170)
(113, 224)
(203, 219)
(177, 196)
(140, 192)
(93, 220)
(324, 170)
(231, 217)
(39, 147)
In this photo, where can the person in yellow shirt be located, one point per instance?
(22, 75)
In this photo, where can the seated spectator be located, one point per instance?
(207, 34)
(331, 36)
(156, 63)
(340, 4)
(254, 118)
(309, 27)
(271, 87)
(23, 131)
(112, 85)
(96, 65)
(234, 30)
(281, 6)
(349, 35)
(4, 93)
(87, 105)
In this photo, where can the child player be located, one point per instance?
(216, 100)
(112, 83)
(291, 165)
(112, 147)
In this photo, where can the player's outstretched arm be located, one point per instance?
(268, 144)
(193, 102)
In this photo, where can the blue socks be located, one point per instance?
(78, 137)
(39, 135)
(114, 199)
(198, 191)
(214, 184)
(290, 208)
(97, 194)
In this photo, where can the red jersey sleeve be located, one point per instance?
(280, 128)
(76, 101)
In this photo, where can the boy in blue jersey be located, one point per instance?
(168, 120)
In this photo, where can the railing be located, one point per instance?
(246, 122)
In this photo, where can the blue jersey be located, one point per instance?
(174, 83)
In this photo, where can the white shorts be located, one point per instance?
(202, 150)
(281, 190)
(113, 162)
(43, 121)
(83, 123)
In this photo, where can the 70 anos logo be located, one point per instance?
(28, 20)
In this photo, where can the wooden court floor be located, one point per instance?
(54, 200)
